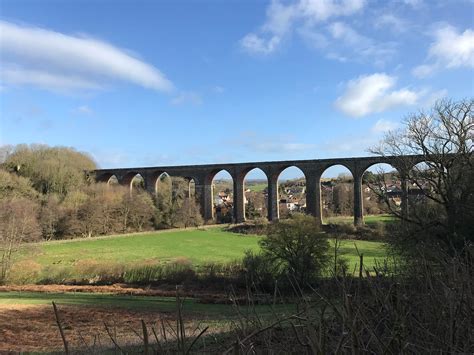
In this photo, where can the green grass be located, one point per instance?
(152, 303)
(197, 246)
(136, 303)
(383, 218)
(256, 186)
(372, 251)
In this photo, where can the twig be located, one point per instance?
(58, 322)
(145, 337)
(112, 338)
(196, 339)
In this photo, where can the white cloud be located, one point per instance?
(253, 43)
(321, 10)
(450, 49)
(281, 19)
(383, 125)
(373, 93)
(424, 70)
(187, 97)
(47, 80)
(413, 3)
(453, 49)
(56, 61)
(392, 22)
(352, 44)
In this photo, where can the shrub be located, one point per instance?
(259, 269)
(94, 272)
(55, 275)
(297, 246)
(374, 231)
(24, 272)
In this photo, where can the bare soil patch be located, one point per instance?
(32, 328)
(25, 328)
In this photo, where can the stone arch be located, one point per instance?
(107, 178)
(133, 179)
(254, 186)
(381, 183)
(422, 171)
(151, 180)
(291, 190)
(163, 188)
(192, 182)
(336, 184)
(221, 184)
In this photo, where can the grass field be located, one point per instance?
(196, 247)
(155, 303)
(383, 218)
(256, 186)
(129, 302)
(29, 318)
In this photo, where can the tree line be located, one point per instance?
(48, 184)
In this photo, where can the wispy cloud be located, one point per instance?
(274, 144)
(351, 44)
(413, 3)
(46, 79)
(357, 145)
(187, 97)
(282, 18)
(391, 22)
(383, 125)
(218, 89)
(450, 49)
(374, 93)
(60, 62)
(84, 110)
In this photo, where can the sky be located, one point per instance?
(150, 83)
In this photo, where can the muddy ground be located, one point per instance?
(26, 328)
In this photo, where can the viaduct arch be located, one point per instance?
(312, 170)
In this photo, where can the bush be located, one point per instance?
(24, 272)
(259, 226)
(55, 274)
(96, 272)
(259, 269)
(298, 247)
(376, 231)
(175, 273)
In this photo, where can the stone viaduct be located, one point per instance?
(312, 169)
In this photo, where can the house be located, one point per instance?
(222, 198)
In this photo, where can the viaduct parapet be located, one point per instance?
(312, 170)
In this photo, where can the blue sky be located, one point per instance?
(141, 83)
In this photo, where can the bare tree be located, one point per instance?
(18, 224)
(186, 214)
(443, 137)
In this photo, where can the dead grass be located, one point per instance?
(28, 328)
